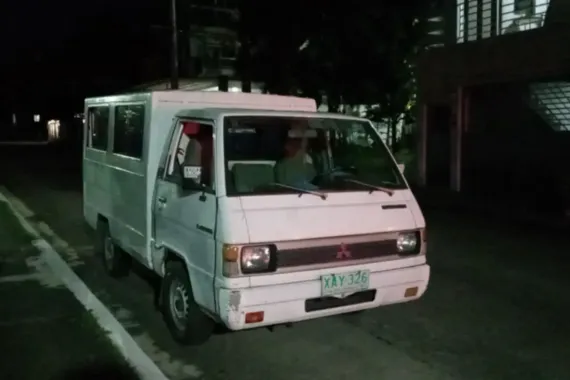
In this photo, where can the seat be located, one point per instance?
(247, 177)
(295, 170)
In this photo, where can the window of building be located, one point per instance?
(129, 130)
(523, 6)
(522, 15)
(467, 19)
(479, 19)
(97, 127)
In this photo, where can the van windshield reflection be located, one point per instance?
(313, 155)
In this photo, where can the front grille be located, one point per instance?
(335, 253)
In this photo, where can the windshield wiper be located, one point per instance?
(390, 192)
(301, 191)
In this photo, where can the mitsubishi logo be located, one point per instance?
(343, 252)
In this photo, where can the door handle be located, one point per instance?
(205, 229)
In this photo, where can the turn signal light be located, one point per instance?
(254, 317)
(411, 292)
(230, 253)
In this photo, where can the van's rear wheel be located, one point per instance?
(117, 263)
(184, 318)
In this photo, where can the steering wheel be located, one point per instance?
(338, 171)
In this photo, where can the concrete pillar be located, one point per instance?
(457, 128)
(223, 83)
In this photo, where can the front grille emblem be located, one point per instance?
(343, 252)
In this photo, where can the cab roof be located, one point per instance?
(214, 113)
(213, 99)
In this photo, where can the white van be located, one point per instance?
(254, 209)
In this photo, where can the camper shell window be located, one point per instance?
(97, 127)
(129, 130)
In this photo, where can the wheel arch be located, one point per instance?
(171, 255)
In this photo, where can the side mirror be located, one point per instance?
(402, 167)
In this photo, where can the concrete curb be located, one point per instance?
(117, 334)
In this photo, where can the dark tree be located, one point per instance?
(273, 33)
(359, 53)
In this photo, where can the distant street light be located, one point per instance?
(174, 47)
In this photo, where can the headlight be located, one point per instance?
(256, 259)
(408, 242)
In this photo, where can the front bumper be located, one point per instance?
(287, 302)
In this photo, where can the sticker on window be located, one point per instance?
(302, 133)
(192, 172)
(241, 130)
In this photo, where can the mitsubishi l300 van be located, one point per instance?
(255, 210)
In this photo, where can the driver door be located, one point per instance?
(185, 204)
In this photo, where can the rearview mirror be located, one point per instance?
(402, 167)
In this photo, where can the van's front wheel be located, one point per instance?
(186, 322)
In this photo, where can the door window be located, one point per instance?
(191, 160)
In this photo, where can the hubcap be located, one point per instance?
(178, 297)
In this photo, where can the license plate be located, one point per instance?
(341, 283)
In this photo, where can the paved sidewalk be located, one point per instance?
(45, 333)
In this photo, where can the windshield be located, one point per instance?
(277, 155)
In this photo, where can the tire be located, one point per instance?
(116, 262)
(186, 322)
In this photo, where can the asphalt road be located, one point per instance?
(495, 308)
(45, 333)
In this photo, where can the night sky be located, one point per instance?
(56, 53)
(67, 48)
